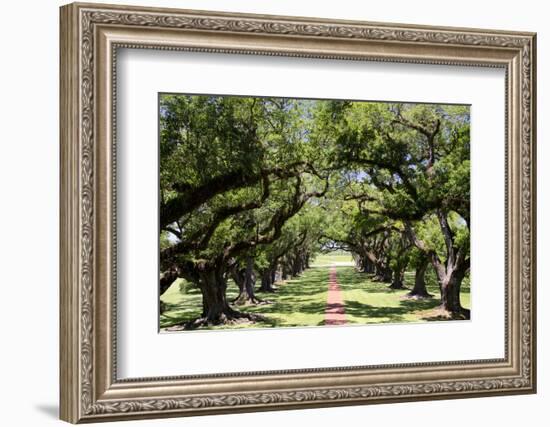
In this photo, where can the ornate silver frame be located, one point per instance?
(90, 36)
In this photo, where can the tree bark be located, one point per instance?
(397, 279)
(297, 266)
(268, 278)
(450, 272)
(167, 278)
(286, 273)
(363, 263)
(246, 284)
(450, 294)
(380, 267)
(419, 290)
(368, 266)
(215, 307)
(383, 274)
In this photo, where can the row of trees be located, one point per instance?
(252, 186)
(407, 174)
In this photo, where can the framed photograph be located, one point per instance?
(267, 212)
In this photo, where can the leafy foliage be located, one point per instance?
(280, 180)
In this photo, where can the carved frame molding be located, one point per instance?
(90, 37)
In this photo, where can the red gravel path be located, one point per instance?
(335, 313)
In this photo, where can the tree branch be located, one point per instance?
(448, 234)
(190, 198)
(205, 234)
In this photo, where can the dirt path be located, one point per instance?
(335, 313)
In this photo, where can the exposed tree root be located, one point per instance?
(243, 299)
(397, 286)
(233, 318)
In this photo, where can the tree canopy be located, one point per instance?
(252, 185)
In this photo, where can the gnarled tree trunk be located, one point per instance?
(382, 274)
(450, 293)
(363, 263)
(450, 272)
(285, 271)
(245, 281)
(367, 266)
(419, 290)
(297, 265)
(397, 278)
(215, 307)
(267, 280)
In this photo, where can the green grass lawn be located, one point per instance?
(298, 302)
(333, 258)
(373, 302)
(302, 301)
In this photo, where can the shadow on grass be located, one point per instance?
(302, 301)
(304, 295)
(392, 314)
(349, 278)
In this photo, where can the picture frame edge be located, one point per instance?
(79, 401)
